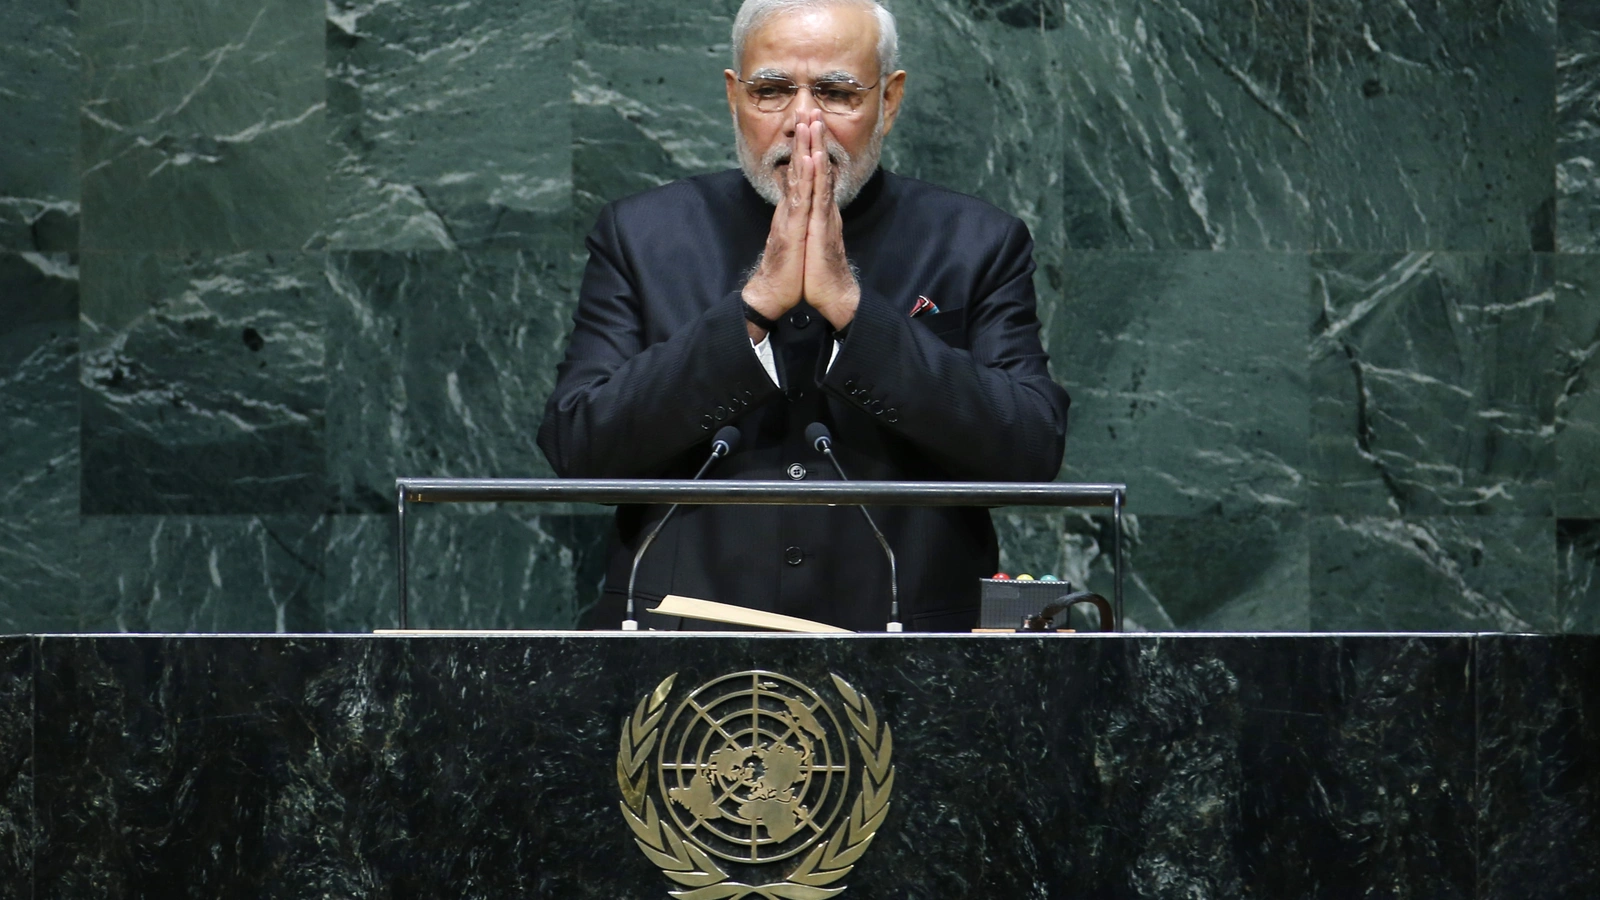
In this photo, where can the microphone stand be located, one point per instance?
(727, 438)
(823, 441)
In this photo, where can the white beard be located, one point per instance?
(851, 173)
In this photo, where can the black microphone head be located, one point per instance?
(726, 441)
(817, 435)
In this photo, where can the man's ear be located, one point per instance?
(894, 90)
(730, 80)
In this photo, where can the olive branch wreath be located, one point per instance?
(693, 868)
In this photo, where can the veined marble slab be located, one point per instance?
(1446, 765)
(449, 126)
(41, 74)
(1433, 125)
(1432, 390)
(468, 567)
(38, 384)
(442, 365)
(204, 383)
(1425, 573)
(217, 573)
(1578, 127)
(1188, 377)
(18, 818)
(1056, 766)
(1578, 575)
(1576, 333)
(202, 124)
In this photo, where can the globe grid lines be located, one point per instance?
(775, 713)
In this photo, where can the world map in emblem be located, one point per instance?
(753, 767)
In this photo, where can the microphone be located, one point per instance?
(726, 440)
(817, 434)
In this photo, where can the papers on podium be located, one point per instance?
(728, 614)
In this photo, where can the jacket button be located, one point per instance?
(797, 472)
(796, 394)
(721, 413)
(849, 384)
(891, 415)
(800, 319)
(793, 556)
(706, 421)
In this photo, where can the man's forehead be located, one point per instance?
(836, 39)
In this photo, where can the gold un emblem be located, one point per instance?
(754, 775)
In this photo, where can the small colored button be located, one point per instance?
(1024, 577)
(1049, 578)
(1001, 576)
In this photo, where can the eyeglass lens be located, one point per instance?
(775, 94)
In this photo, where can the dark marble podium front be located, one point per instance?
(1426, 766)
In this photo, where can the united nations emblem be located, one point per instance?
(754, 775)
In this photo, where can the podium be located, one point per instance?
(1052, 766)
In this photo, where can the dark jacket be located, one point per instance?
(659, 359)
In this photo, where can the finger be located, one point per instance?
(821, 194)
(833, 170)
(802, 142)
(791, 175)
(793, 182)
(822, 184)
(780, 220)
(794, 133)
(806, 168)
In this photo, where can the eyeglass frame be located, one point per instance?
(848, 82)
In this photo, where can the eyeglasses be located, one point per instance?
(840, 96)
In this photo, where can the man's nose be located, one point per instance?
(804, 104)
(804, 100)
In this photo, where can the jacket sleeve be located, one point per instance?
(623, 409)
(989, 412)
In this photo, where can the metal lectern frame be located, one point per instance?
(612, 491)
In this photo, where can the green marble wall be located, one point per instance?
(1323, 280)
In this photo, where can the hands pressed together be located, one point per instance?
(805, 257)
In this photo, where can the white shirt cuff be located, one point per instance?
(764, 355)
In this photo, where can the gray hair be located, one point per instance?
(754, 13)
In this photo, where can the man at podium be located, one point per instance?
(807, 286)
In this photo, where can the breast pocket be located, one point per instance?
(949, 326)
